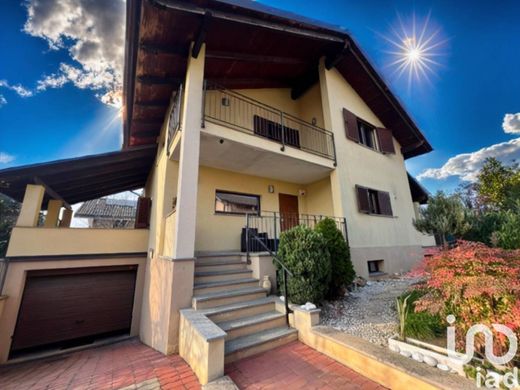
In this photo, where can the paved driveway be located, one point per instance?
(128, 364)
(295, 366)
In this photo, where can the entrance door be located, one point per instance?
(288, 211)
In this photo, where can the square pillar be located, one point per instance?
(31, 206)
(53, 213)
(191, 122)
(66, 218)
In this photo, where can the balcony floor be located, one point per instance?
(252, 155)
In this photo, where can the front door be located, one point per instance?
(288, 211)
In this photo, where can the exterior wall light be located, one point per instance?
(270, 188)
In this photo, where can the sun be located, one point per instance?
(415, 49)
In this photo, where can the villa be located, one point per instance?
(240, 121)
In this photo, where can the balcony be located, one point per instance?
(242, 113)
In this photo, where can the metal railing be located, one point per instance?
(242, 113)
(174, 121)
(262, 234)
(4, 264)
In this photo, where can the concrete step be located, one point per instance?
(220, 266)
(217, 258)
(240, 309)
(222, 298)
(215, 276)
(248, 325)
(252, 344)
(223, 285)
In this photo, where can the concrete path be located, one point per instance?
(125, 365)
(295, 366)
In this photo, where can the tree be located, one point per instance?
(444, 215)
(9, 210)
(342, 269)
(498, 185)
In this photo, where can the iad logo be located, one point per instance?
(488, 335)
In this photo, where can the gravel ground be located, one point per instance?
(370, 312)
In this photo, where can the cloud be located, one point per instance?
(5, 158)
(467, 165)
(19, 89)
(511, 123)
(93, 33)
(3, 101)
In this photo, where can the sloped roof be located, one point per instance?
(80, 179)
(248, 45)
(108, 208)
(419, 193)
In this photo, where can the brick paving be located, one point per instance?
(295, 366)
(128, 364)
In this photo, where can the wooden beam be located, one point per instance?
(254, 21)
(201, 36)
(332, 61)
(53, 194)
(244, 57)
(152, 103)
(150, 48)
(158, 80)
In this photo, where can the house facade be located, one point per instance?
(240, 121)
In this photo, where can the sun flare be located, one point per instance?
(416, 49)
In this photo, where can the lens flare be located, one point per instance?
(416, 49)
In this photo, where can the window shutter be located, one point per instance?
(142, 217)
(386, 141)
(384, 203)
(351, 125)
(363, 202)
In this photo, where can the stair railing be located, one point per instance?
(251, 235)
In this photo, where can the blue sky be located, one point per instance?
(71, 70)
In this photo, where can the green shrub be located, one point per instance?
(483, 226)
(420, 325)
(304, 252)
(508, 236)
(342, 270)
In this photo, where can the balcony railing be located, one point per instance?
(174, 121)
(234, 110)
(267, 227)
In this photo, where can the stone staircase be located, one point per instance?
(227, 294)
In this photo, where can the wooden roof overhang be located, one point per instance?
(79, 179)
(419, 193)
(248, 45)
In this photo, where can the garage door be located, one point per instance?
(63, 305)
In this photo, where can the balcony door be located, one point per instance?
(288, 211)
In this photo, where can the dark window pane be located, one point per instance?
(233, 203)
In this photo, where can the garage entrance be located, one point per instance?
(69, 307)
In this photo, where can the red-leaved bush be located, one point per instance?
(478, 285)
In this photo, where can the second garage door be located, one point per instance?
(68, 304)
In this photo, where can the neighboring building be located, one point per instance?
(230, 109)
(108, 213)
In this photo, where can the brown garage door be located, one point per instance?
(63, 305)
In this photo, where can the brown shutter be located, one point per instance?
(142, 217)
(363, 202)
(386, 141)
(351, 125)
(384, 203)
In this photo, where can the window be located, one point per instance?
(235, 203)
(373, 202)
(375, 266)
(366, 135)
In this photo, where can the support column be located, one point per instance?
(332, 121)
(31, 206)
(189, 158)
(66, 218)
(53, 213)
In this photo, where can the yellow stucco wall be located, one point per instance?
(222, 232)
(359, 165)
(40, 241)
